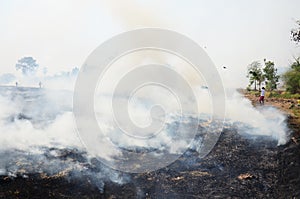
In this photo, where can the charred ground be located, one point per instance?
(239, 166)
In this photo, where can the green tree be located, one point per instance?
(295, 33)
(292, 77)
(270, 73)
(255, 74)
(27, 65)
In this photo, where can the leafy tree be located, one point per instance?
(292, 77)
(27, 65)
(255, 74)
(270, 73)
(295, 33)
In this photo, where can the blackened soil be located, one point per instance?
(237, 167)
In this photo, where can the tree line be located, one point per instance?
(266, 74)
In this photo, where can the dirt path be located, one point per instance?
(288, 106)
(285, 105)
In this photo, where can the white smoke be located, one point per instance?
(40, 122)
(20, 132)
(33, 119)
(262, 120)
(47, 121)
(38, 135)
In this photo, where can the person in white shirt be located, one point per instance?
(262, 96)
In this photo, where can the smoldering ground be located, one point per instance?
(38, 135)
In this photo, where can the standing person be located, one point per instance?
(262, 96)
(40, 84)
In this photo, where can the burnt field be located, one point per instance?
(238, 167)
(40, 158)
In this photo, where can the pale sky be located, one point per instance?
(61, 34)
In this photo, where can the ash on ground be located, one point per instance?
(237, 167)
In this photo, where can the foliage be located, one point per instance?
(292, 77)
(295, 33)
(27, 65)
(284, 95)
(248, 88)
(270, 73)
(255, 74)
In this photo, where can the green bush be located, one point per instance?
(296, 96)
(274, 94)
(280, 94)
(292, 77)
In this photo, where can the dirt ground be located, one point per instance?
(289, 106)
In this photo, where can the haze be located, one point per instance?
(61, 34)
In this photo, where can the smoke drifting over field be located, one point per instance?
(262, 120)
(38, 128)
(35, 120)
(38, 136)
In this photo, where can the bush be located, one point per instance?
(273, 94)
(296, 96)
(292, 77)
(285, 95)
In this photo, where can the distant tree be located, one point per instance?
(295, 33)
(255, 74)
(292, 77)
(27, 65)
(270, 73)
(75, 71)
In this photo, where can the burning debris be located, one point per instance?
(245, 176)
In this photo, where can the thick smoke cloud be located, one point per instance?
(37, 126)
